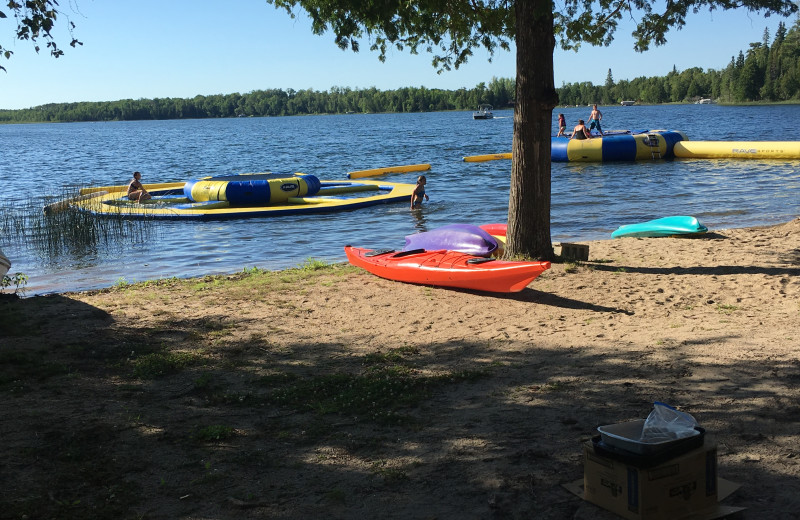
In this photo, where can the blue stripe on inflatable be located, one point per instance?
(558, 149)
(313, 183)
(252, 190)
(671, 138)
(248, 193)
(187, 189)
(619, 148)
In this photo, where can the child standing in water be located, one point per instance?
(562, 125)
(419, 192)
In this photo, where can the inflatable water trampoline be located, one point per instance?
(646, 145)
(615, 145)
(238, 196)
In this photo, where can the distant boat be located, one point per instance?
(628, 103)
(705, 101)
(484, 112)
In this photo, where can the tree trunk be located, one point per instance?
(528, 233)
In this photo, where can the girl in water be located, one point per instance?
(419, 192)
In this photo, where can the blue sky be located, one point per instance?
(182, 48)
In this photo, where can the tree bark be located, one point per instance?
(528, 233)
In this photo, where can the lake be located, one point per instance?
(589, 200)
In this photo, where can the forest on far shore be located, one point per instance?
(768, 71)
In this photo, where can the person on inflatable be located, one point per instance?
(580, 131)
(594, 119)
(562, 125)
(135, 189)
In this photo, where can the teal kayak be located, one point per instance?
(662, 227)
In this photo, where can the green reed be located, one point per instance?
(70, 231)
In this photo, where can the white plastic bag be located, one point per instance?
(665, 423)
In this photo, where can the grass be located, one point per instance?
(70, 232)
(389, 474)
(312, 264)
(387, 386)
(554, 386)
(336, 496)
(213, 433)
(395, 355)
(19, 370)
(571, 266)
(159, 364)
(726, 309)
(251, 282)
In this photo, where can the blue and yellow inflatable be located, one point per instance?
(251, 190)
(238, 196)
(634, 145)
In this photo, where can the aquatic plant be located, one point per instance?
(18, 280)
(64, 230)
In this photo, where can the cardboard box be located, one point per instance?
(683, 486)
(571, 251)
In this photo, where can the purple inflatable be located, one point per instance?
(464, 238)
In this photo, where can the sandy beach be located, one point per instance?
(332, 393)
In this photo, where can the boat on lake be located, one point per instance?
(627, 103)
(483, 112)
(237, 196)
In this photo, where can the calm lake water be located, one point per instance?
(588, 202)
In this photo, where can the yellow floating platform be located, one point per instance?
(737, 150)
(389, 169)
(487, 157)
(170, 200)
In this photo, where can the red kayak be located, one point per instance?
(497, 230)
(447, 269)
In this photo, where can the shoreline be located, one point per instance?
(43, 291)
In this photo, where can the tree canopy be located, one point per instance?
(451, 30)
(35, 20)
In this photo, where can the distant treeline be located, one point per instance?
(274, 102)
(766, 72)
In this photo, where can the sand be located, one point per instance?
(514, 385)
